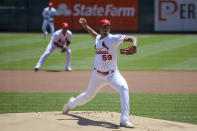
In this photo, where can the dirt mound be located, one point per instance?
(84, 121)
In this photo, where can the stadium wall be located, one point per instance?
(25, 15)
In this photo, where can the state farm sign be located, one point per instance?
(95, 10)
(122, 14)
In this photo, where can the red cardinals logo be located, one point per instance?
(104, 47)
(103, 44)
(99, 50)
(167, 7)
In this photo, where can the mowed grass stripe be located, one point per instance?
(19, 56)
(187, 65)
(85, 64)
(150, 49)
(9, 36)
(20, 39)
(56, 59)
(76, 65)
(154, 49)
(17, 52)
(11, 50)
(163, 59)
(81, 41)
(79, 60)
(154, 39)
(187, 58)
(29, 42)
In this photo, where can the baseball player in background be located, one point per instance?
(105, 69)
(60, 39)
(48, 15)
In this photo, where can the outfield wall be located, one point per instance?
(139, 16)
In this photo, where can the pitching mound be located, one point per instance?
(84, 121)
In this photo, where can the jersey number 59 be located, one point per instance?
(107, 57)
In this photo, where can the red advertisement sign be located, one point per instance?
(123, 14)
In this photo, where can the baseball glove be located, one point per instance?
(64, 48)
(128, 51)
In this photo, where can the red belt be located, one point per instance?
(104, 73)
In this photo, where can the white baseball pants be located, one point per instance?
(97, 81)
(50, 48)
(51, 25)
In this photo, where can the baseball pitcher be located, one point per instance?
(60, 39)
(105, 69)
(48, 15)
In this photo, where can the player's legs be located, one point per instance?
(68, 59)
(44, 27)
(47, 52)
(120, 84)
(95, 84)
(51, 25)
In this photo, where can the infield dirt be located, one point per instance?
(77, 81)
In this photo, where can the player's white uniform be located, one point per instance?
(48, 15)
(106, 61)
(59, 38)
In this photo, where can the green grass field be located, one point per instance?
(174, 107)
(155, 52)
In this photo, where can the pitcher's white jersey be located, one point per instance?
(106, 52)
(59, 38)
(49, 14)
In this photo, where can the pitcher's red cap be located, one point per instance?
(104, 22)
(64, 25)
(50, 3)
